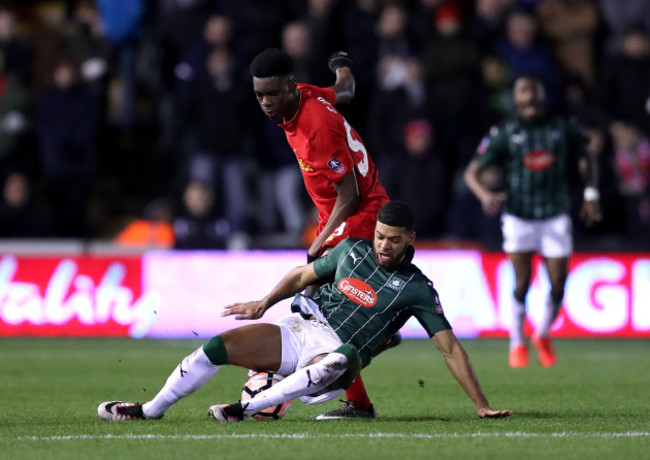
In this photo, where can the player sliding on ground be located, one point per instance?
(329, 338)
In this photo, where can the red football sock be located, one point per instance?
(357, 394)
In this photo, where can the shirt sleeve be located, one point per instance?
(334, 160)
(428, 310)
(493, 147)
(326, 266)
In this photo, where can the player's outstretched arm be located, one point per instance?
(293, 282)
(340, 63)
(458, 363)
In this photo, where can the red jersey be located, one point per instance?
(327, 149)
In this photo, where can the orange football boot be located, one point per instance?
(519, 356)
(547, 357)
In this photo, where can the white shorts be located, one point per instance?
(550, 237)
(303, 340)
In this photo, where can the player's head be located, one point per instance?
(274, 83)
(394, 233)
(529, 96)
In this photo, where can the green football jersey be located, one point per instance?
(366, 304)
(536, 158)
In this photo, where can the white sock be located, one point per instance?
(550, 314)
(305, 381)
(190, 375)
(517, 328)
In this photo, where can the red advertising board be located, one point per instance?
(182, 295)
(77, 296)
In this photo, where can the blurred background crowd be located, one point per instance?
(135, 120)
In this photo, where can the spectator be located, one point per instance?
(17, 55)
(452, 66)
(401, 136)
(495, 97)
(19, 215)
(524, 54)
(632, 166)
(218, 111)
(619, 16)
(626, 81)
(200, 225)
(66, 126)
(257, 24)
(318, 19)
(487, 23)
(571, 26)
(153, 230)
(216, 34)
(122, 23)
(357, 26)
(14, 99)
(87, 46)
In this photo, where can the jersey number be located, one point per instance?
(356, 146)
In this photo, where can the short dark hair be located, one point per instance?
(270, 63)
(397, 214)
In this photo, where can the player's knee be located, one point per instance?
(354, 365)
(215, 350)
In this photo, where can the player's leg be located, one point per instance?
(334, 368)
(257, 346)
(522, 265)
(330, 372)
(557, 269)
(556, 247)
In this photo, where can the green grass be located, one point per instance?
(594, 404)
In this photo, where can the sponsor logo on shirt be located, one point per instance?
(358, 291)
(538, 160)
(304, 166)
(336, 166)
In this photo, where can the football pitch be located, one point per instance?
(594, 404)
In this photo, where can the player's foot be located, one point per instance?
(227, 413)
(519, 356)
(545, 352)
(119, 410)
(348, 411)
(390, 342)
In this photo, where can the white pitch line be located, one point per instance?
(516, 434)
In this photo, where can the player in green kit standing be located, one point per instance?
(536, 151)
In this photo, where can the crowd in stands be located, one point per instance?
(135, 120)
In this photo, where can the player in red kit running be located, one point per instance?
(337, 170)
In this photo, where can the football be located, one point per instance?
(258, 383)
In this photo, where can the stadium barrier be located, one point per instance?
(171, 294)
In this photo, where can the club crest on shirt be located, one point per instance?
(336, 166)
(358, 292)
(396, 284)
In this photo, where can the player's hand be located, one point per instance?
(247, 310)
(487, 412)
(590, 212)
(491, 203)
(339, 59)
